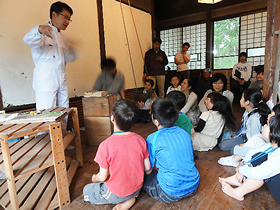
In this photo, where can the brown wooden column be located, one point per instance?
(273, 25)
(101, 29)
(209, 41)
(1, 103)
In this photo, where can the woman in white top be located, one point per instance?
(190, 108)
(219, 85)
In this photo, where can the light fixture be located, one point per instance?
(209, 1)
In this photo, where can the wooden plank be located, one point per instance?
(24, 150)
(98, 126)
(3, 189)
(96, 107)
(28, 130)
(37, 162)
(78, 145)
(24, 192)
(10, 131)
(15, 146)
(68, 139)
(9, 172)
(36, 193)
(5, 127)
(47, 196)
(5, 200)
(59, 164)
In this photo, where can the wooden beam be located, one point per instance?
(238, 9)
(146, 6)
(101, 29)
(273, 25)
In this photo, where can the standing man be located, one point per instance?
(155, 62)
(181, 60)
(50, 52)
(240, 77)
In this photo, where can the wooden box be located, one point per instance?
(97, 112)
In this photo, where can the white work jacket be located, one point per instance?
(50, 57)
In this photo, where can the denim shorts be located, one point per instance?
(151, 186)
(98, 193)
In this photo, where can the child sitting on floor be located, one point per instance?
(260, 165)
(241, 150)
(253, 119)
(171, 150)
(122, 158)
(212, 122)
(179, 99)
(144, 103)
(175, 81)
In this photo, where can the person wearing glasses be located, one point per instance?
(50, 52)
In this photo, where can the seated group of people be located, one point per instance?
(167, 158)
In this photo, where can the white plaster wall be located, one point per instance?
(16, 65)
(115, 39)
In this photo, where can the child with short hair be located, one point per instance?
(122, 158)
(254, 118)
(175, 84)
(171, 150)
(259, 166)
(179, 99)
(212, 122)
(144, 103)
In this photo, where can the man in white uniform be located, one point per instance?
(181, 60)
(50, 52)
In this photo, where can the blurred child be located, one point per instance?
(254, 118)
(255, 141)
(171, 150)
(204, 83)
(145, 103)
(122, 158)
(175, 84)
(212, 122)
(260, 165)
(179, 99)
(110, 79)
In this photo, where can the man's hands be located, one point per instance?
(46, 30)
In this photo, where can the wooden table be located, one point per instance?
(38, 174)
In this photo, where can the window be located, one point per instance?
(173, 39)
(226, 35)
(252, 37)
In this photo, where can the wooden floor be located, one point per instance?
(208, 196)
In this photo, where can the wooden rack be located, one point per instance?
(37, 173)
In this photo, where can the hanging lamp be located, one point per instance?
(209, 1)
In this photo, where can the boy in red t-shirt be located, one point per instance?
(125, 155)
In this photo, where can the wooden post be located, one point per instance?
(273, 25)
(59, 164)
(9, 172)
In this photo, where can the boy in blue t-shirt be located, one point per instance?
(171, 149)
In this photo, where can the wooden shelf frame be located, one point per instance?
(33, 156)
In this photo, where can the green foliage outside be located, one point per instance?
(226, 43)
